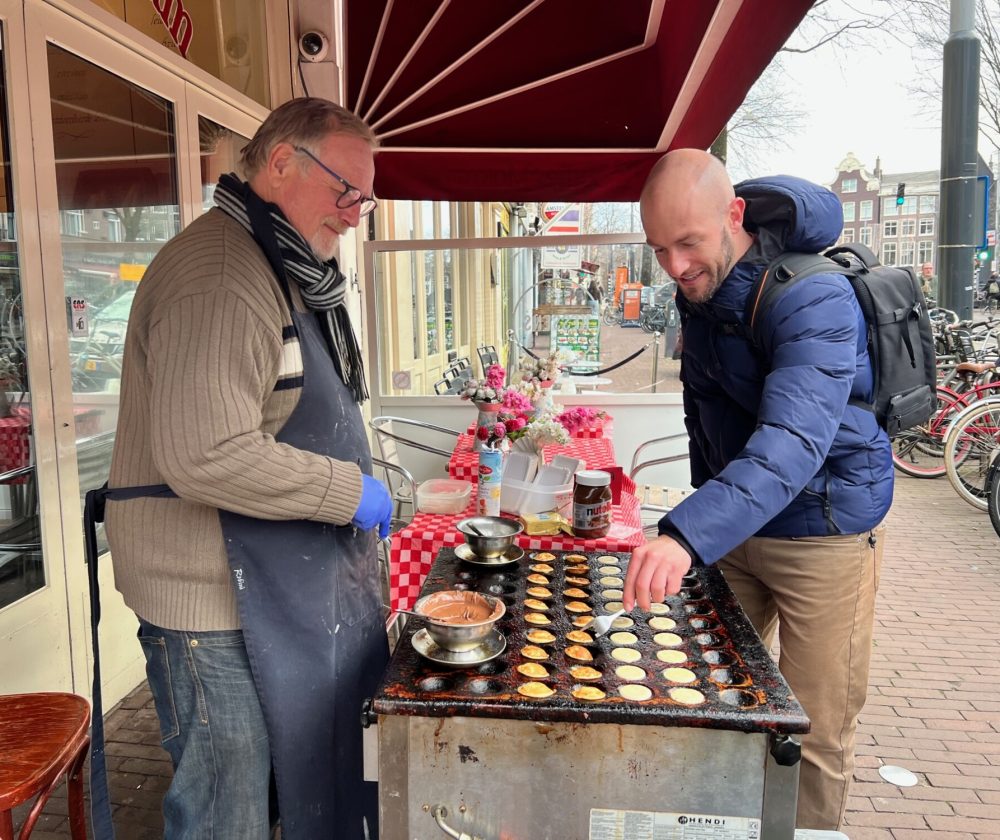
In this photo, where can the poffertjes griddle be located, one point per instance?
(703, 627)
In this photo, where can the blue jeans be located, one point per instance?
(212, 725)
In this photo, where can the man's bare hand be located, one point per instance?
(654, 572)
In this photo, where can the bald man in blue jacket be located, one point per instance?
(793, 478)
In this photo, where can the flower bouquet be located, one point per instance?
(487, 394)
(576, 419)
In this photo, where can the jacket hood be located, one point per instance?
(798, 214)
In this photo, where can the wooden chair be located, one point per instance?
(43, 737)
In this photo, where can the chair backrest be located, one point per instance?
(391, 432)
(487, 356)
(442, 386)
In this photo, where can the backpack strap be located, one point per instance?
(787, 269)
(783, 272)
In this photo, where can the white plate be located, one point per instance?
(491, 648)
(512, 555)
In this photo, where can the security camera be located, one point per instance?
(313, 46)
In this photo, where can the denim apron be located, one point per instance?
(309, 600)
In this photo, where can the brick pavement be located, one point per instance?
(933, 706)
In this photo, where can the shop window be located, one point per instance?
(220, 149)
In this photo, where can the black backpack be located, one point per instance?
(900, 338)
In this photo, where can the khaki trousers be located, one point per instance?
(819, 592)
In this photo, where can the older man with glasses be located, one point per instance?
(242, 514)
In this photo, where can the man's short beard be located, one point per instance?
(720, 272)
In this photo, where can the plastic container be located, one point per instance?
(443, 495)
(517, 497)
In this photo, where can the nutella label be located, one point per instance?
(592, 517)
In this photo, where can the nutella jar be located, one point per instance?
(591, 504)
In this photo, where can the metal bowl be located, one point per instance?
(499, 534)
(460, 637)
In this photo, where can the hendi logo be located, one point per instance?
(694, 819)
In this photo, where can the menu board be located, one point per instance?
(579, 335)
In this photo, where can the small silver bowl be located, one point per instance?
(498, 535)
(460, 637)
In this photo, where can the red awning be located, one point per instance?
(569, 100)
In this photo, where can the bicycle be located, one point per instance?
(993, 494)
(970, 449)
(653, 319)
(611, 314)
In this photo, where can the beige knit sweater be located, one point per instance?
(199, 412)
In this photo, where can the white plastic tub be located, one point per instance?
(518, 497)
(443, 495)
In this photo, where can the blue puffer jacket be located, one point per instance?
(776, 451)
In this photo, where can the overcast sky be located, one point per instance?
(857, 103)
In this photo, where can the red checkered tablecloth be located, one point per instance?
(595, 452)
(15, 441)
(415, 546)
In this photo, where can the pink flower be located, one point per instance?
(496, 375)
(519, 423)
(499, 430)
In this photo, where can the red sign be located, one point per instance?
(178, 22)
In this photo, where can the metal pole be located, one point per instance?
(959, 130)
(656, 358)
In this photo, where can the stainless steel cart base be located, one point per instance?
(492, 778)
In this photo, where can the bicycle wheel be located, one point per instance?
(919, 451)
(968, 450)
(993, 494)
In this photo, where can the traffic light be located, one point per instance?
(900, 194)
(984, 255)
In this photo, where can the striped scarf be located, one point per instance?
(322, 284)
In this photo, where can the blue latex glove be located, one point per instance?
(375, 507)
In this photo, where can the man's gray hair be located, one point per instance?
(301, 122)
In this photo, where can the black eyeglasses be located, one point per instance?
(351, 194)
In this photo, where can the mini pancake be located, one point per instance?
(588, 692)
(686, 696)
(662, 623)
(584, 672)
(540, 637)
(536, 618)
(533, 652)
(544, 568)
(538, 592)
(623, 638)
(609, 570)
(626, 654)
(575, 558)
(667, 639)
(543, 556)
(674, 657)
(533, 670)
(623, 622)
(612, 580)
(612, 594)
(659, 609)
(578, 581)
(613, 606)
(578, 607)
(580, 653)
(535, 604)
(578, 569)
(541, 580)
(630, 672)
(633, 691)
(573, 592)
(535, 690)
(582, 620)
(608, 558)
(679, 675)
(580, 637)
